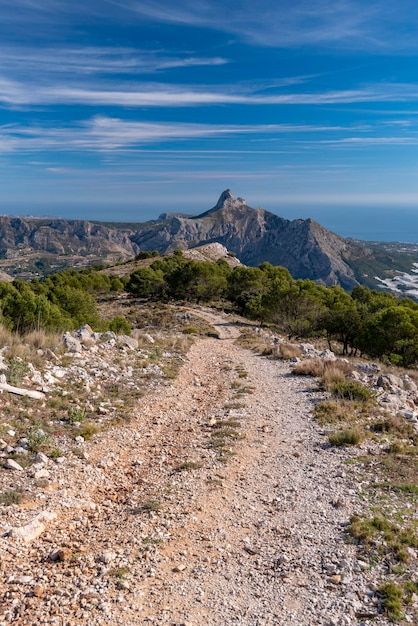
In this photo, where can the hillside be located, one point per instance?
(35, 247)
(32, 247)
(207, 497)
(304, 247)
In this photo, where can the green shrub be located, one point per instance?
(388, 536)
(120, 326)
(351, 390)
(392, 600)
(348, 437)
(76, 414)
(7, 498)
(88, 430)
(39, 440)
(16, 370)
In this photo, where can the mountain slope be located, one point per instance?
(30, 246)
(255, 235)
(33, 247)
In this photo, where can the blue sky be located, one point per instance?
(121, 109)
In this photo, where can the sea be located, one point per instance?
(365, 223)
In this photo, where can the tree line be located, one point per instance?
(61, 301)
(372, 323)
(369, 322)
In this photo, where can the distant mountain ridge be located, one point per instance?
(255, 235)
(34, 247)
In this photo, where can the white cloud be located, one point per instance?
(96, 60)
(377, 141)
(104, 133)
(354, 23)
(378, 25)
(156, 95)
(107, 133)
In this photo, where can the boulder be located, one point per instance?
(389, 381)
(85, 333)
(71, 343)
(33, 529)
(128, 341)
(13, 465)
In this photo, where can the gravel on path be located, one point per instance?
(220, 503)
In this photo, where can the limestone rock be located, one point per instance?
(85, 333)
(40, 457)
(62, 554)
(389, 381)
(130, 342)
(33, 529)
(108, 557)
(38, 591)
(71, 343)
(13, 465)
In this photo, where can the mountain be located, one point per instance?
(255, 235)
(31, 246)
(34, 247)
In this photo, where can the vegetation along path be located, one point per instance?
(220, 503)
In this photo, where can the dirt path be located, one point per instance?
(220, 503)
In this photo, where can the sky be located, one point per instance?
(118, 110)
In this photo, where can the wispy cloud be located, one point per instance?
(107, 134)
(375, 141)
(289, 24)
(378, 25)
(14, 93)
(96, 60)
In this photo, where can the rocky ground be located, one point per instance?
(219, 502)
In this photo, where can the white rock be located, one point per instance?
(13, 465)
(34, 529)
(408, 414)
(20, 450)
(328, 355)
(71, 343)
(108, 556)
(42, 473)
(130, 342)
(59, 372)
(23, 580)
(85, 332)
(40, 457)
(50, 379)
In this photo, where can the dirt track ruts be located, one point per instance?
(173, 536)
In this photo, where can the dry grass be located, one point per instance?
(30, 347)
(41, 340)
(395, 426)
(8, 339)
(288, 351)
(342, 412)
(334, 412)
(347, 437)
(253, 341)
(328, 371)
(263, 345)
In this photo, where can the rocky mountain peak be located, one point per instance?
(226, 197)
(227, 201)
